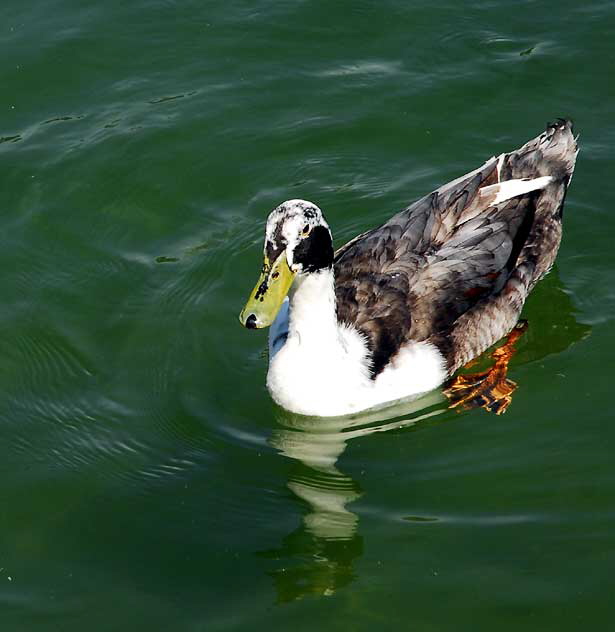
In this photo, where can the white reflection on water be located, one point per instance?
(317, 558)
(318, 443)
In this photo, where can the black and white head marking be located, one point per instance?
(299, 228)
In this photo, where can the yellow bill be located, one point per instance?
(268, 294)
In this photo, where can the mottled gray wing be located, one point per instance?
(414, 276)
(416, 272)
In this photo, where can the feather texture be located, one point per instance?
(455, 267)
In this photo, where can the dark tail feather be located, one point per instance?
(553, 153)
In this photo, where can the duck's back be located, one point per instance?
(455, 267)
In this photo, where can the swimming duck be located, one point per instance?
(399, 309)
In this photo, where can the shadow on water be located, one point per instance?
(553, 326)
(317, 558)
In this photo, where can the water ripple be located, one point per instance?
(383, 68)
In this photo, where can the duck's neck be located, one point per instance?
(313, 316)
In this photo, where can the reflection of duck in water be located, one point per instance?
(317, 557)
(400, 308)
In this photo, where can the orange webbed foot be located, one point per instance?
(490, 389)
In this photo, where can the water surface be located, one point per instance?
(148, 481)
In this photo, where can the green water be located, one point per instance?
(147, 480)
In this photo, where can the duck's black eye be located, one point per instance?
(275, 275)
(306, 230)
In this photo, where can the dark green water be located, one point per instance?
(147, 480)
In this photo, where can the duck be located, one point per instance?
(397, 311)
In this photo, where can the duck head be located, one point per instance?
(297, 242)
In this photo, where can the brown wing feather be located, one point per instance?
(451, 253)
